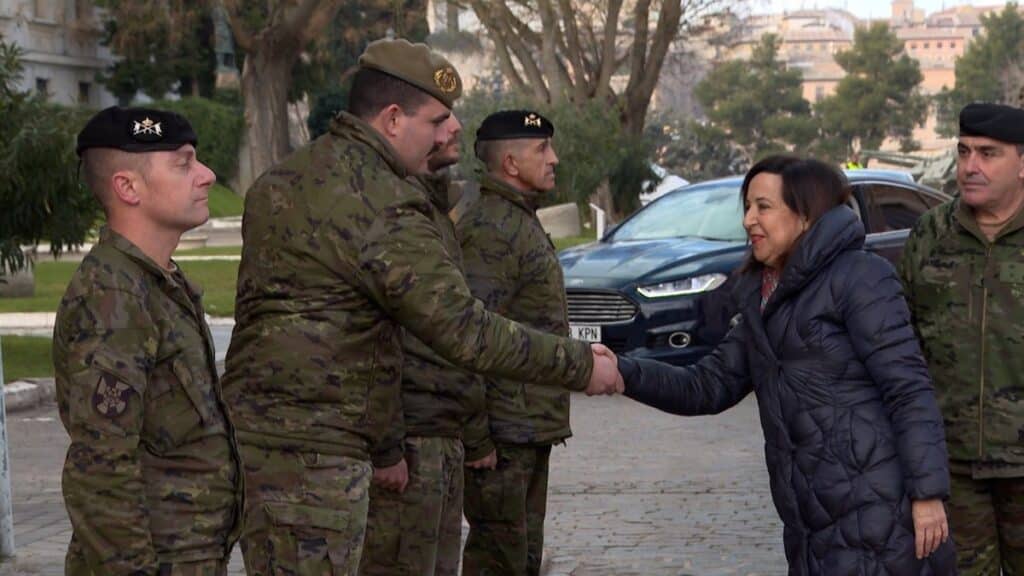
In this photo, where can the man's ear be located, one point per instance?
(388, 120)
(125, 185)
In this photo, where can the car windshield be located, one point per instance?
(712, 212)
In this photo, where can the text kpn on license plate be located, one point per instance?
(586, 333)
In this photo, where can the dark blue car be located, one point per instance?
(656, 285)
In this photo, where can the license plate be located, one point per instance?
(586, 333)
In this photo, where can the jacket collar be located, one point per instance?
(437, 186)
(348, 126)
(168, 280)
(837, 231)
(964, 216)
(528, 201)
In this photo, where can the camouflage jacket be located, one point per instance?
(152, 473)
(340, 253)
(437, 398)
(512, 267)
(966, 296)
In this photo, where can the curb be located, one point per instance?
(28, 393)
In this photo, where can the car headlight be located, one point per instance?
(692, 285)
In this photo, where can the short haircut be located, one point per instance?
(492, 152)
(373, 91)
(809, 187)
(100, 164)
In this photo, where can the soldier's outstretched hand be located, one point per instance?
(605, 379)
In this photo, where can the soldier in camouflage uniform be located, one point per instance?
(511, 266)
(152, 482)
(341, 254)
(963, 268)
(418, 531)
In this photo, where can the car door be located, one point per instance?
(890, 210)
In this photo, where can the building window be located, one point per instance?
(84, 90)
(819, 93)
(952, 45)
(938, 44)
(43, 87)
(926, 46)
(913, 45)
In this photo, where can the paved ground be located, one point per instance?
(635, 492)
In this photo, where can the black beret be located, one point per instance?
(136, 130)
(512, 124)
(996, 121)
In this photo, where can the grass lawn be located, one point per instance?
(26, 357)
(563, 243)
(224, 202)
(217, 278)
(211, 251)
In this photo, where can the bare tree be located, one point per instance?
(581, 46)
(273, 35)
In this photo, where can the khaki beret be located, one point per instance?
(416, 64)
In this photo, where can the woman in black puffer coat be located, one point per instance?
(854, 441)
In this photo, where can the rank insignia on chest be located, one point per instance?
(111, 396)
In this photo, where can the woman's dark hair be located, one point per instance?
(809, 187)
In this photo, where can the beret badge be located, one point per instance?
(446, 79)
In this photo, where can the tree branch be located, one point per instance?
(581, 85)
(558, 78)
(518, 46)
(243, 35)
(602, 86)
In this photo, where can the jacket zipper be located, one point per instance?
(981, 380)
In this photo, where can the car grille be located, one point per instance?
(589, 307)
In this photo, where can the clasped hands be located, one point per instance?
(605, 379)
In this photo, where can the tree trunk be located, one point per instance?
(266, 77)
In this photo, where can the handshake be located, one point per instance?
(605, 379)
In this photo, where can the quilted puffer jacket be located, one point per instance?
(852, 429)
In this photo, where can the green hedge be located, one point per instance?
(219, 127)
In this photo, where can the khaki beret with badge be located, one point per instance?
(514, 124)
(416, 64)
(995, 121)
(136, 130)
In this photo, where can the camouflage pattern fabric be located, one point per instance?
(986, 519)
(340, 253)
(305, 512)
(966, 296)
(437, 397)
(505, 508)
(418, 532)
(152, 473)
(512, 267)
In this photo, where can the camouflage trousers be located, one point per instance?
(418, 532)
(986, 518)
(505, 508)
(305, 513)
(75, 564)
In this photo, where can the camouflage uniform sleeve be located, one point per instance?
(108, 344)
(476, 434)
(910, 262)
(389, 449)
(410, 274)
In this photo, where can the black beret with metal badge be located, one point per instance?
(136, 130)
(996, 121)
(514, 124)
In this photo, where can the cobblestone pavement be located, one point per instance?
(634, 492)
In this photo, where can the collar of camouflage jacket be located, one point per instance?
(965, 217)
(129, 249)
(437, 186)
(346, 125)
(528, 201)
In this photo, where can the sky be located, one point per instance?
(860, 8)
